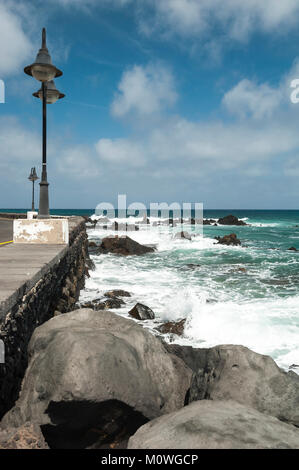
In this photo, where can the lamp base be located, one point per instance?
(43, 212)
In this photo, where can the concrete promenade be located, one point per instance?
(5, 231)
(22, 265)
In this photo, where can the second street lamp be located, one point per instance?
(33, 177)
(44, 71)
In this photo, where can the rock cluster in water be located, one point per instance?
(230, 239)
(122, 245)
(230, 220)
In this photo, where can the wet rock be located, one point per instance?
(90, 264)
(103, 304)
(228, 240)
(124, 246)
(117, 293)
(142, 312)
(94, 378)
(185, 235)
(28, 436)
(292, 248)
(209, 222)
(230, 220)
(176, 328)
(215, 425)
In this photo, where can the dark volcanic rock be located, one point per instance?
(176, 328)
(142, 312)
(185, 235)
(215, 425)
(230, 220)
(103, 304)
(94, 378)
(237, 373)
(123, 246)
(28, 436)
(228, 240)
(117, 293)
(209, 222)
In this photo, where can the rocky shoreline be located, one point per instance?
(97, 380)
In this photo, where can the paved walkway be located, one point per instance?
(5, 231)
(21, 266)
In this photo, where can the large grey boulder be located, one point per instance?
(235, 372)
(97, 375)
(213, 424)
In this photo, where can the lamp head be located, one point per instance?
(51, 92)
(42, 69)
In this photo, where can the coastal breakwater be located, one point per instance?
(36, 283)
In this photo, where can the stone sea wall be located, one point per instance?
(57, 291)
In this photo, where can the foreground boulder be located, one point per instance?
(28, 436)
(230, 220)
(228, 240)
(142, 312)
(123, 246)
(215, 425)
(93, 380)
(237, 373)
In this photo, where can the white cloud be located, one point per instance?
(250, 99)
(17, 143)
(121, 151)
(206, 146)
(144, 90)
(15, 45)
(77, 162)
(236, 18)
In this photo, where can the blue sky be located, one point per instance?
(166, 100)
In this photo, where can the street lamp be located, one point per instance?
(33, 177)
(44, 71)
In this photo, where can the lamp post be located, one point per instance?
(44, 71)
(33, 177)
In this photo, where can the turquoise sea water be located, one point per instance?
(257, 305)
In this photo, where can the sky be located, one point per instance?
(166, 101)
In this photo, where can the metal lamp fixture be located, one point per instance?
(52, 93)
(44, 71)
(33, 177)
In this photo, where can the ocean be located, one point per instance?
(256, 306)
